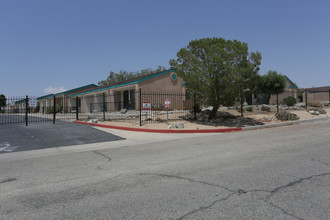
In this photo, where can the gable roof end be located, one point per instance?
(293, 85)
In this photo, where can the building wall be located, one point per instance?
(162, 83)
(288, 92)
(316, 97)
(161, 88)
(93, 101)
(113, 98)
(63, 100)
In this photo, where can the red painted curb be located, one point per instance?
(219, 130)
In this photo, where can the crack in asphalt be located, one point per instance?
(50, 198)
(322, 162)
(293, 183)
(206, 207)
(8, 180)
(99, 167)
(89, 184)
(283, 210)
(190, 180)
(290, 184)
(102, 154)
(241, 191)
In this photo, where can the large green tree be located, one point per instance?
(3, 101)
(272, 83)
(217, 71)
(124, 75)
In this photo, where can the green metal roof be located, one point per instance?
(20, 101)
(72, 90)
(124, 83)
(45, 96)
(68, 91)
(293, 85)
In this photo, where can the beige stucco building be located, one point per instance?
(62, 99)
(125, 95)
(317, 94)
(290, 90)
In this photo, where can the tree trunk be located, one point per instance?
(267, 99)
(242, 102)
(213, 112)
(277, 102)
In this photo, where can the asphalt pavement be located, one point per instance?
(275, 173)
(47, 135)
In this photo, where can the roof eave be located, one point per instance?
(124, 84)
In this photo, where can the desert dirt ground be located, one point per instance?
(231, 118)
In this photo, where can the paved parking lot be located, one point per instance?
(39, 136)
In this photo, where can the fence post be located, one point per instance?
(329, 96)
(26, 110)
(140, 99)
(54, 109)
(77, 108)
(103, 106)
(306, 97)
(194, 107)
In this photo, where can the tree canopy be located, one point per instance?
(217, 71)
(124, 75)
(271, 83)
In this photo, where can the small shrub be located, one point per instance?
(249, 109)
(286, 116)
(49, 110)
(265, 108)
(322, 111)
(289, 101)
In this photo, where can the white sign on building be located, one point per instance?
(33, 102)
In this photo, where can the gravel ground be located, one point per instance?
(250, 119)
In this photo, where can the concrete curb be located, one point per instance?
(219, 130)
(282, 124)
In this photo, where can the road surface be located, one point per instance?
(276, 173)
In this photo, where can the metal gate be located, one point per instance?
(30, 110)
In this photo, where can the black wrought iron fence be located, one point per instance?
(142, 107)
(22, 111)
(139, 106)
(164, 107)
(30, 109)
